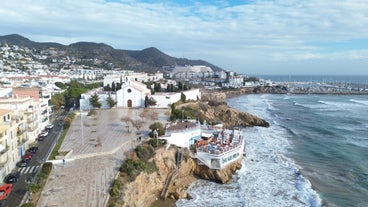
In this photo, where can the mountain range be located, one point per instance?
(147, 60)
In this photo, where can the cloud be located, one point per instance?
(232, 35)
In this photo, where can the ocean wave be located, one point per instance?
(365, 103)
(341, 105)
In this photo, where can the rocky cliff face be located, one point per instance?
(147, 188)
(219, 111)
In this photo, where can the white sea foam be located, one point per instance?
(362, 102)
(268, 176)
(342, 105)
(311, 106)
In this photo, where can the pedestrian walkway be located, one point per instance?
(98, 146)
(28, 169)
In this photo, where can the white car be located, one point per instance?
(49, 126)
(44, 133)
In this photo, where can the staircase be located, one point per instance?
(172, 175)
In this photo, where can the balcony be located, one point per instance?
(17, 119)
(3, 150)
(22, 141)
(20, 131)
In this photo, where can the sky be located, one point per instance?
(286, 37)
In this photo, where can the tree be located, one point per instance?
(118, 86)
(149, 101)
(137, 123)
(58, 100)
(60, 85)
(159, 127)
(143, 114)
(127, 120)
(107, 87)
(110, 101)
(183, 97)
(157, 87)
(180, 86)
(146, 101)
(113, 87)
(95, 101)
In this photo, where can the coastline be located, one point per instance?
(234, 93)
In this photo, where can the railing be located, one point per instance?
(219, 150)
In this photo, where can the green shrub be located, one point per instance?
(144, 152)
(133, 167)
(115, 189)
(46, 168)
(34, 187)
(156, 142)
(29, 205)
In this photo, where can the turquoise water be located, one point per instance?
(329, 141)
(315, 153)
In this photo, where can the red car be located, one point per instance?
(28, 156)
(5, 190)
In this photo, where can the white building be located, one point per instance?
(132, 94)
(191, 73)
(182, 134)
(125, 76)
(25, 108)
(164, 100)
(8, 144)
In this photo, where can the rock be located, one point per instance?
(146, 188)
(230, 117)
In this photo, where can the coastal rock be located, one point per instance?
(230, 117)
(219, 176)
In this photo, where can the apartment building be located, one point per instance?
(8, 142)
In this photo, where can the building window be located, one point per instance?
(129, 90)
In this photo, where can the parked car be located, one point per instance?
(5, 190)
(32, 150)
(49, 126)
(44, 134)
(41, 138)
(27, 156)
(12, 178)
(23, 163)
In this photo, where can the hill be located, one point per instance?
(146, 60)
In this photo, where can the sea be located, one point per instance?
(315, 153)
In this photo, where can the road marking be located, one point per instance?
(28, 170)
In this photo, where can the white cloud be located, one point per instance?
(233, 37)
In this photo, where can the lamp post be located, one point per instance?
(82, 128)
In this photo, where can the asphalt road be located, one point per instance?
(28, 174)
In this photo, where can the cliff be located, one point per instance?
(214, 111)
(147, 187)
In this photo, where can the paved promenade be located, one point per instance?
(98, 144)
